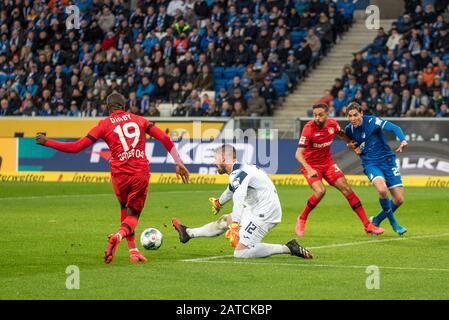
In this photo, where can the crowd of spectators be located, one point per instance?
(159, 52)
(403, 72)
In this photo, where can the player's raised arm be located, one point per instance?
(391, 127)
(158, 134)
(71, 147)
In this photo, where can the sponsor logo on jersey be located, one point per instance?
(322, 145)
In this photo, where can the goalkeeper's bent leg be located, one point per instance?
(261, 250)
(212, 229)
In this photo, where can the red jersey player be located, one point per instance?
(314, 154)
(125, 134)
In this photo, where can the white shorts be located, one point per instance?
(253, 229)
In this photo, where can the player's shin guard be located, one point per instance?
(212, 229)
(261, 250)
(381, 216)
(128, 226)
(130, 239)
(356, 205)
(388, 210)
(312, 202)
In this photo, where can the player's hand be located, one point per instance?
(233, 234)
(352, 145)
(181, 171)
(216, 206)
(402, 146)
(41, 139)
(312, 173)
(357, 151)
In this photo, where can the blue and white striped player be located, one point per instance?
(256, 210)
(378, 160)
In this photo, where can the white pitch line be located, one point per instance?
(320, 265)
(348, 244)
(337, 245)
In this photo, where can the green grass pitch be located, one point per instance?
(47, 227)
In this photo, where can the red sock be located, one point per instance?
(123, 214)
(128, 226)
(131, 239)
(356, 205)
(311, 204)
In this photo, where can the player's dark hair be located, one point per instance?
(227, 149)
(116, 101)
(353, 106)
(321, 106)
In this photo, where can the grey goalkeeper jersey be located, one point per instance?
(252, 192)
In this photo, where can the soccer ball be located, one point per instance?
(151, 239)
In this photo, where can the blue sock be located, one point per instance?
(388, 211)
(381, 216)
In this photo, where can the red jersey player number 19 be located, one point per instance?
(125, 135)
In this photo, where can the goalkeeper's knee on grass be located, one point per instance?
(261, 250)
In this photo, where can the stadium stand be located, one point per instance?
(159, 53)
(402, 73)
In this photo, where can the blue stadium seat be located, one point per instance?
(296, 37)
(218, 73)
(241, 71)
(446, 57)
(411, 81)
(3, 78)
(281, 86)
(230, 72)
(219, 83)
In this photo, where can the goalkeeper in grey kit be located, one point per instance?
(256, 210)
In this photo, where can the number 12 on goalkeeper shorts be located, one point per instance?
(250, 228)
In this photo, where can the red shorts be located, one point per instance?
(329, 172)
(131, 191)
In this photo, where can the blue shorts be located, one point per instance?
(389, 171)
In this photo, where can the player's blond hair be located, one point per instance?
(353, 106)
(228, 150)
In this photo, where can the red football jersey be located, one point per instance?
(318, 141)
(125, 135)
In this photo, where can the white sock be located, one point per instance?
(262, 250)
(212, 229)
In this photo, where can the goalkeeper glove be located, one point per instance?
(216, 206)
(233, 234)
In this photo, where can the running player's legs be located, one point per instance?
(386, 176)
(121, 185)
(131, 191)
(137, 194)
(335, 177)
(319, 190)
(392, 182)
